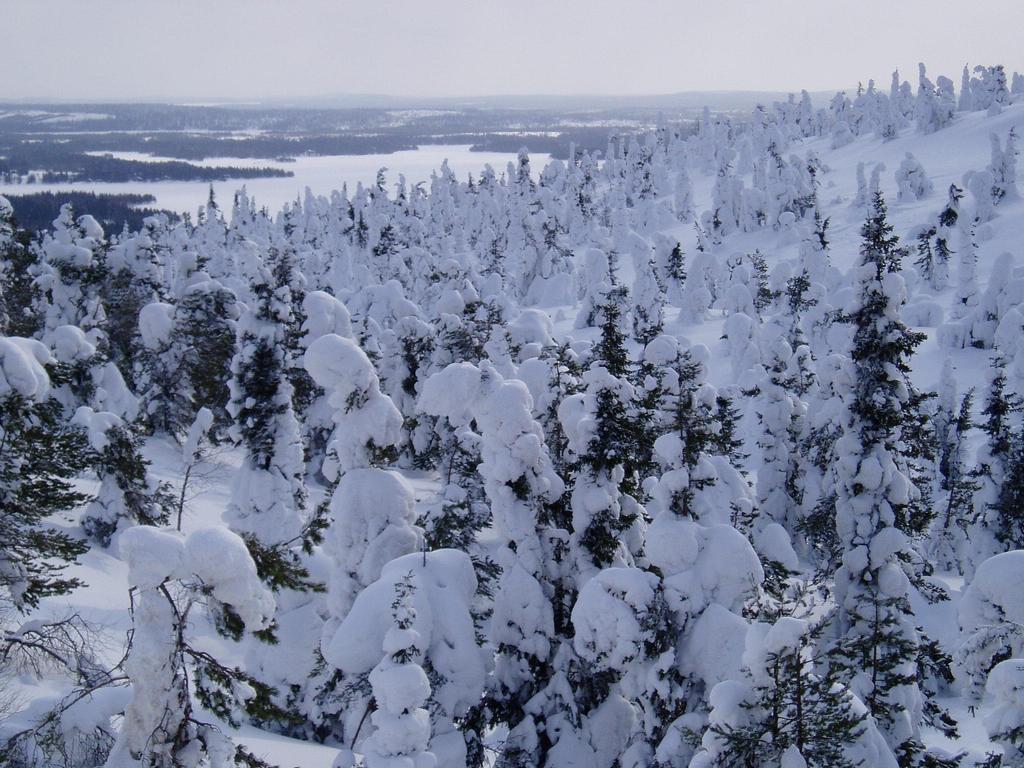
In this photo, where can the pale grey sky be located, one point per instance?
(250, 49)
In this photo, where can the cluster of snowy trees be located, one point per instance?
(623, 565)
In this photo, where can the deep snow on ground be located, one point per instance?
(945, 155)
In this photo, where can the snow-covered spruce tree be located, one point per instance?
(888, 120)
(461, 338)
(595, 281)
(965, 101)
(17, 285)
(460, 512)
(699, 291)
(911, 180)
(82, 375)
(127, 495)
(519, 481)
(877, 644)
(406, 352)
(1005, 724)
(438, 588)
(268, 497)
(323, 314)
(989, 89)
(1004, 517)
(817, 534)
(552, 377)
(728, 440)
(994, 321)
(860, 200)
(926, 262)
(687, 412)
(555, 267)
(563, 378)
(289, 286)
(69, 276)
(648, 378)
(797, 299)
(682, 194)
(948, 220)
(781, 415)
(134, 276)
(948, 538)
(204, 327)
(400, 689)
(688, 543)
(603, 431)
(966, 297)
(814, 252)
(726, 214)
(529, 674)
(670, 263)
(1003, 167)
(372, 523)
(166, 396)
(629, 666)
(39, 457)
(945, 419)
(367, 425)
(935, 105)
(370, 511)
(991, 620)
(995, 460)
(980, 185)
(267, 507)
(781, 712)
(169, 578)
(770, 516)
(193, 452)
(919, 452)
(648, 311)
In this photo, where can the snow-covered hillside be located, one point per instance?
(708, 452)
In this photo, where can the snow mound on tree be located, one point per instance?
(1006, 721)
(221, 559)
(452, 393)
(70, 344)
(156, 321)
(152, 556)
(216, 555)
(363, 415)
(606, 616)
(373, 524)
(995, 594)
(324, 315)
(21, 368)
(96, 425)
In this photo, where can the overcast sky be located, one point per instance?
(251, 49)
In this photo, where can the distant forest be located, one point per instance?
(50, 162)
(54, 139)
(37, 211)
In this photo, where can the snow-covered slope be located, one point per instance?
(401, 435)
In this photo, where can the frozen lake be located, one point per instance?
(321, 174)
